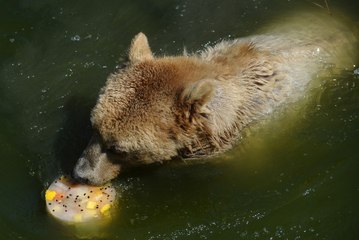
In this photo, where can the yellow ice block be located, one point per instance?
(78, 217)
(91, 205)
(49, 195)
(105, 208)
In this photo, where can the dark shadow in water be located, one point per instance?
(75, 134)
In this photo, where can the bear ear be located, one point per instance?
(196, 95)
(140, 50)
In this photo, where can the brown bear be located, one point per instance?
(160, 108)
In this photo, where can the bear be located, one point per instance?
(158, 109)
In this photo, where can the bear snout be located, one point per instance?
(81, 171)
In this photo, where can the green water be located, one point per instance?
(294, 177)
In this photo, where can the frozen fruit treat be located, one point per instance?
(74, 202)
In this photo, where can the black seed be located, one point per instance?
(65, 210)
(49, 203)
(88, 196)
(53, 210)
(82, 210)
(70, 194)
(84, 194)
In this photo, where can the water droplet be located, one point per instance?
(75, 38)
(308, 191)
(88, 36)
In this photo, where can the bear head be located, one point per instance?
(151, 111)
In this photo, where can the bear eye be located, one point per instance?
(116, 151)
(112, 149)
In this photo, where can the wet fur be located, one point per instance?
(157, 109)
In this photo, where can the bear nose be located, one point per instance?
(79, 179)
(79, 172)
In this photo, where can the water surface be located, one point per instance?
(293, 177)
